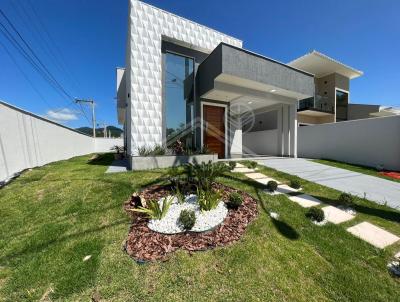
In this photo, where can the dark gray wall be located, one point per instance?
(361, 111)
(244, 64)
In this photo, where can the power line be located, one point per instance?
(24, 74)
(23, 52)
(39, 27)
(36, 64)
(36, 57)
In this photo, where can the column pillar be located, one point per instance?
(293, 130)
(285, 130)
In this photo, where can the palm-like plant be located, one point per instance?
(204, 174)
(208, 199)
(154, 210)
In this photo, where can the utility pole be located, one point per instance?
(104, 129)
(91, 102)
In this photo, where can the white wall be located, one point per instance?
(261, 142)
(148, 25)
(368, 142)
(105, 144)
(27, 140)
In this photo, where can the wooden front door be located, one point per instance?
(214, 129)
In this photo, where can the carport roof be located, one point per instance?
(229, 66)
(321, 65)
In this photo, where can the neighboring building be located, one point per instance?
(332, 89)
(185, 81)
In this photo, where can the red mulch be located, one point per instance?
(144, 244)
(395, 175)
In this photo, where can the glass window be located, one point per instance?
(342, 102)
(178, 85)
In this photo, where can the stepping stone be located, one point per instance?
(372, 234)
(242, 170)
(306, 201)
(261, 178)
(239, 165)
(282, 189)
(285, 189)
(255, 175)
(397, 256)
(335, 215)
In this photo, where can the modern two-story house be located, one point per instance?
(185, 81)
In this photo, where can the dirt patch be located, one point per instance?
(144, 244)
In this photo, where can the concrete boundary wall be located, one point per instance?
(261, 142)
(28, 140)
(369, 142)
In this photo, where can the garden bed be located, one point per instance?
(143, 244)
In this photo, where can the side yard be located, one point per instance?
(63, 228)
(355, 168)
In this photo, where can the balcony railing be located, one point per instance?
(318, 103)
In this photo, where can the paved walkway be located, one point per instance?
(118, 165)
(373, 188)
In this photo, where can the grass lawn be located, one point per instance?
(355, 168)
(54, 216)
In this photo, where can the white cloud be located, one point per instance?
(63, 115)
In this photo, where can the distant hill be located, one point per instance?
(115, 132)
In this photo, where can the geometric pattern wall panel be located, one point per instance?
(147, 26)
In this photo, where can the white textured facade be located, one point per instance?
(147, 27)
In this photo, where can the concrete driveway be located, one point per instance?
(372, 188)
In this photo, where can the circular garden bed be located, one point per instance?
(144, 244)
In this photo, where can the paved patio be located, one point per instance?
(373, 188)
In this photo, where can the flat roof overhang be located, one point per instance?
(229, 73)
(321, 65)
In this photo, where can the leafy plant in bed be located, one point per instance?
(193, 205)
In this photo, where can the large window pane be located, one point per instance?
(342, 102)
(178, 98)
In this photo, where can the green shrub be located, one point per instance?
(235, 200)
(250, 164)
(187, 219)
(204, 174)
(295, 184)
(316, 214)
(272, 186)
(232, 165)
(154, 210)
(346, 199)
(155, 151)
(208, 199)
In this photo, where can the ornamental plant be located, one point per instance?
(346, 199)
(235, 200)
(232, 165)
(315, 214)
(208, 200)
(272, 186)
(154, 210)
(187, 219)
(295, 184)
(204, 174)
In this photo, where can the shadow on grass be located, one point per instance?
(378, 211)
(104, 159)
(285, 229)
(281, 226)
(52, 234)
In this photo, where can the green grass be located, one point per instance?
(52, 217)
(355, 168)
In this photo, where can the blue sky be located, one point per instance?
(88, 42)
